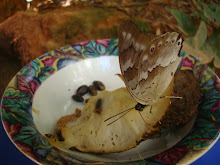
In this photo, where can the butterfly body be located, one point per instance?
(140, 107)
(148, 62)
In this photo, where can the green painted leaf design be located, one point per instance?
(32, 137)
(209, 97)
(44, 73)
(31, 69)
(184, 22)
(15, 107)
(113, 47)
(93, 49)
(203, 134)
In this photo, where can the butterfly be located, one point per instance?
(148, 62)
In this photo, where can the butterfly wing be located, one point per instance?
(132, 43)
(157, 65)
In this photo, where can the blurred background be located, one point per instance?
(30, 28)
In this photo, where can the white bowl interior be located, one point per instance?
(53, 100)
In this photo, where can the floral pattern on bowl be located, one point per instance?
(16, 107)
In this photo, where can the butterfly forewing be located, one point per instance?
(132, 43)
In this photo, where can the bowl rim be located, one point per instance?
(102, 47)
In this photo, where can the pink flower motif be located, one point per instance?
(27, 150)
(12, 129)
(217, 84)
(81, 43)
(187, 63)
(215, 106)
(49, 61)
(103, 42)
(172, 155)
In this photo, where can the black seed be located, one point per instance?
(78, 98)
(99, 85)
(82, 90)
(92, 90)
(59, 135)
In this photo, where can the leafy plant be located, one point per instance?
(204, 40)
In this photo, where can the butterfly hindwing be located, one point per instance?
(157, 65)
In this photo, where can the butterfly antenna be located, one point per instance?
(120, 117)
(172, 97)
(119, 114)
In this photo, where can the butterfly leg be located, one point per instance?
(172, 97)
(151, 109)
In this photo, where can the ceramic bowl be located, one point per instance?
(41, 93)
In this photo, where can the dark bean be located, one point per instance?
(59, 135)
(48, 135)
(99, 85)
(98, 106)
(82, 90)
(92, 90)
(78, 98)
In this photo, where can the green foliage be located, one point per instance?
(184, 22)
(79, 26)
(201, 36)
(210, 11)
(217, 15)
(70, 29)
(111, 32)
(198, 38)
(143, 26)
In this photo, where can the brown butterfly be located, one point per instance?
(148, 62)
